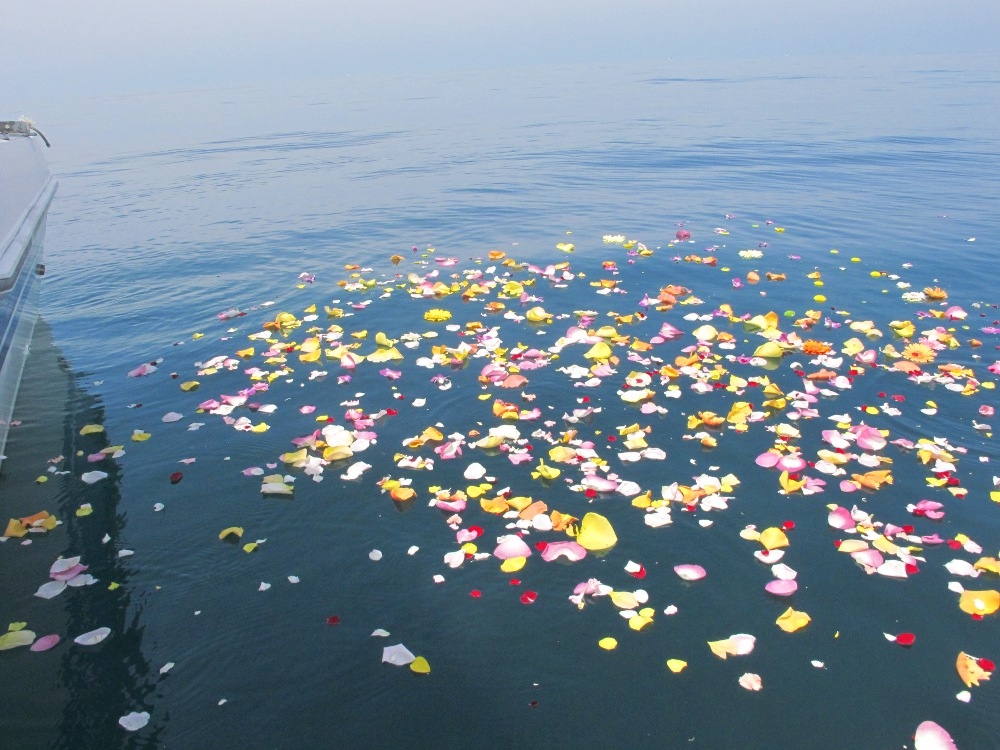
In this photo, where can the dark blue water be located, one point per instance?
(880, 173)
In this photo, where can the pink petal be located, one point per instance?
(791, 463)
(452, 506)
(467, 535)
(570, 550)
(868, 557)
(768, 459)
(781, 588)
(599, 484)
(840, 518)
(869, 438)
(45, 642)
(932, 736)
(512, 546)
(690, 572)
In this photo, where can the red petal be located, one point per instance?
(176, 477)
(905, 639)
(986, 665)
(333, 620)
(911, 569)
(540, 546)
(391, 412)
(908, 529)
(477, 529)
(529, 597)
(788, 525)
(954, 544)
(640, 573)
(475, 593)
(515, 581)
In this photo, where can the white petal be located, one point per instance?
(93, 637)
(398, 655)
(134, 721)
(50, 589)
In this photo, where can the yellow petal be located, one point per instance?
(513, 564)
(979, 602)
(236, 531)
(792, 620)
(600, 350)
(562, 454)
(624, 599)
(89, 429)
(538, 315)
(788, 484)
(190, 385)
(676, 665)
(596, 533)
(773, 538)
(990, 564)
(420, 666)
(293, 457)
(15, 529)
(769, 350)
(608, 644)
(850, 546)
(639, 622)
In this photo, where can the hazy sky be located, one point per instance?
(106, 46)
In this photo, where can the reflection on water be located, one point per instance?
(68, 697)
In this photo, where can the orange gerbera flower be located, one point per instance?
(935, 292)
(811, 346)
(920, 353)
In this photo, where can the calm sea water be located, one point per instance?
(177, 206)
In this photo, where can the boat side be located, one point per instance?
(26, 191)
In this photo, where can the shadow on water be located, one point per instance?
(72, 695)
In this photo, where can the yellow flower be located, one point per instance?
(437, 315)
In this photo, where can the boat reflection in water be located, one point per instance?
(70, 696)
